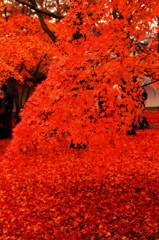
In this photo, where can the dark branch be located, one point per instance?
(150, 83)
(38, 65)
(5, 13)
(39, 13)
(46, 29)
(37, 10)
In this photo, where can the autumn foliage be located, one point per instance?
(71, 171)
(81, 194)
(79, 101)
(23, 46)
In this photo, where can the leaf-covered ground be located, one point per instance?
(84, 195)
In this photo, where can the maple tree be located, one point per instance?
(87, 68)
(26, 51)
(46, 11)
(108, 189)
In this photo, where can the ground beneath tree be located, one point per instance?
(68, 199)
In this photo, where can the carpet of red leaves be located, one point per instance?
(113, 196)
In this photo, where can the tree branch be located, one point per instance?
(39, 13)
(150, 83)
(38, 65)
(45, 28)
(37, 10)
(5, 13)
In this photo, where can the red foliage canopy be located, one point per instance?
(110, 189)
(93, 56)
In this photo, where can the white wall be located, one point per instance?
(153, 96)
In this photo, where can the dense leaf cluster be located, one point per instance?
(79, 194)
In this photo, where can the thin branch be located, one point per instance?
(38, 65)
(45, 28)
(150, 83)
(39, 13)
(5, 13)
(37, 10)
